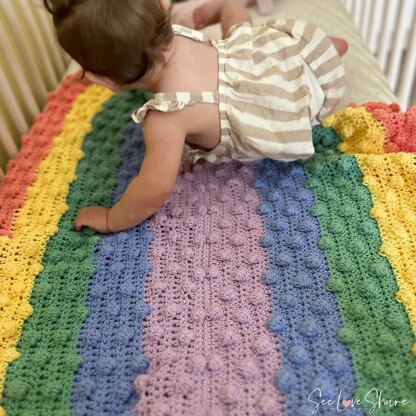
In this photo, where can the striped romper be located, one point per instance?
(275, 82)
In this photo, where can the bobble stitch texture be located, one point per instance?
(174, 316)
(230, 302)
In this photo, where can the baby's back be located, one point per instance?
(195, 69)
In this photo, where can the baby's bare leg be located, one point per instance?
(207, 13)
(340, 45)
(227, 12)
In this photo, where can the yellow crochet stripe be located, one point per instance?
(361, 133)
(391, 180)
(37, 220)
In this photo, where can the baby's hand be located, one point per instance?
(92, 217)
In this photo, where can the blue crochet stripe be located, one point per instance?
(305, 315)
(111, 338)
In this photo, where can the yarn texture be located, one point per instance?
(263, 289)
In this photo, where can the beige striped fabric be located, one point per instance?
(275, 82)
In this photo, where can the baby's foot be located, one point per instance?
(207, 13)
(265, 6)
(340, 45)
(182, 13)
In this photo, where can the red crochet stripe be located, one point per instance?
(400, 127)
(21, 172)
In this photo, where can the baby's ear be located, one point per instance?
(103, 81)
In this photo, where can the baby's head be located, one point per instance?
(120, 40)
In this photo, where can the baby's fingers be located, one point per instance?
(81, 220)
(94, 217)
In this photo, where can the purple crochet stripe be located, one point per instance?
(211, 352)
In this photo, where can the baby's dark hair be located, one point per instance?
(120, 39)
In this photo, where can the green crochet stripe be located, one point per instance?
(325, 140)
(376, 327)
(43, 375)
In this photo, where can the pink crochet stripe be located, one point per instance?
(211, 352)
(400, 127)
(21, 172)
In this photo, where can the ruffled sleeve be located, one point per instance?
(154, 104)
(140, 113)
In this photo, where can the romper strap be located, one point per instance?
(174, 101)
(189, 97)
(190, 33)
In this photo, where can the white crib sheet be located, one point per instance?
(365, 81)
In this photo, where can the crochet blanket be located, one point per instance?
(267, 288)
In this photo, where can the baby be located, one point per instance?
(255, 94)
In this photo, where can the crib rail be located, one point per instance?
(389, 27)
(31, 64)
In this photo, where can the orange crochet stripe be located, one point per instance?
(36, 222)
(400, 127)
(35, 147)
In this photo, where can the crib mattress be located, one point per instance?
(266, 288)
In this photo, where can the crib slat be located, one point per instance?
(399, 44)
(366, 23)
(6, 139)
(20, 79)
(408, 76)
(11, 101)
(32, 63)
(355, 12)
(376, 25)
(358, 13)
(52, 78)
(37, 84)
(55, 52)
(348, 5)
(387, 33)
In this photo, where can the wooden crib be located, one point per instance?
(389, 27)
(32, 63)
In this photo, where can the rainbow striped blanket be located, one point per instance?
(266, 288)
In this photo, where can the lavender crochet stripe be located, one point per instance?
(211, 352)
(111, 338)
(305, 315)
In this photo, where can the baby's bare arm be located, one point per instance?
(158, 173)
(149, 190)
